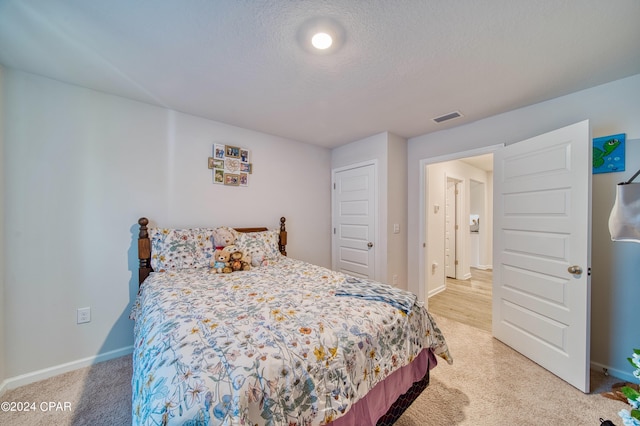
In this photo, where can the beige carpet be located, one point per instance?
(488, 384)
(99, 395)
(491, 384)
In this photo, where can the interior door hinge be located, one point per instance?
(334, 231)
(334, 185)
(589, 271)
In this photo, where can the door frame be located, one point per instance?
(448, 267)
(378, 272)
(423, 215)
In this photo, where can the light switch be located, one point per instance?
(396, 228)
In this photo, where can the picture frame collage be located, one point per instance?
(231, 165)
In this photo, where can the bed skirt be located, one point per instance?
(386, 402)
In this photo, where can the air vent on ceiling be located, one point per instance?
(446, 117)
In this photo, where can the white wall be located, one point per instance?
(389, 152)
(615, 281)
(81, 168)
(397, 210)
(611, 108)
(2, 268)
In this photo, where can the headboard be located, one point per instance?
(144, 245)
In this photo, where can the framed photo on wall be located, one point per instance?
(231, 179)
(218, 151)
(232, 151)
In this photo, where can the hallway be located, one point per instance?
(466, 301)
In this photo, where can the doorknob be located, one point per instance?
(575, 269)
(370, 244)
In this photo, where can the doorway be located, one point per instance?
(462, 288)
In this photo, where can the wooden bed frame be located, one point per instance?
(144, 256)
(144, 245)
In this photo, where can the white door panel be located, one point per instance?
(542, 205)
(355, 232)
(354, 221)
(356, 208)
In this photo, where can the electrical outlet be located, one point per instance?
(396, 228)
(395, 280)
(84, 315)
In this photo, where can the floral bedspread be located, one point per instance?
(269, 346)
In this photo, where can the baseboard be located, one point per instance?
(483, 267)
(36, 376)
(627, 376)
(436, 291)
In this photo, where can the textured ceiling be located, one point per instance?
(398, 63)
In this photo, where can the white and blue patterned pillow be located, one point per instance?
(173, 249)
(265, 242)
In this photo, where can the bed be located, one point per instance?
(284, 343)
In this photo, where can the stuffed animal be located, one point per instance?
(236, 263)
(256, 256)
(246, 261)
(231, 248)
(220, 264)
(223, 237)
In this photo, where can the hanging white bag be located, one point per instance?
(624, 221)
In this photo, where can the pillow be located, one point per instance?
(265, 242)
(173, 249)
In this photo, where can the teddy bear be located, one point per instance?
(223, 237)
(220, 264)
(246, 261)
(237, 263)
(231, 248)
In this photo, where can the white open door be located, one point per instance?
(542, 248)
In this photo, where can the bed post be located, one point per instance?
(283, 237)
(144, 250)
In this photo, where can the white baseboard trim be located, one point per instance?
(624, 375)
(436, 291)
(483, 267)
(35, 376)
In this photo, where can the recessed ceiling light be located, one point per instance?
(321, 41)
(320, 35)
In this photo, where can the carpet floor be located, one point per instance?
(488, 384)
